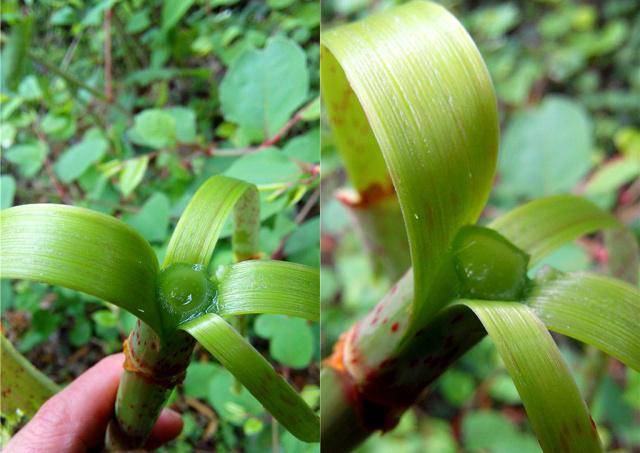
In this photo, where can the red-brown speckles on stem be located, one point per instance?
(394, 327)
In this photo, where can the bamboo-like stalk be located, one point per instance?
(153, 368)
(379, 223)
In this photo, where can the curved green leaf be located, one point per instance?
(601, 311)
(543, 225)
(553, 403)
(276, 287)
(409, 86)
(256, 374)
(83, 250)
(24, 388)
(200, 225)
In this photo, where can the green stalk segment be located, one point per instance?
(379, 223)
(256, 374)
(185, 291)
(416, 76)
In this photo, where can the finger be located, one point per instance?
(167, 428)
(74, 419)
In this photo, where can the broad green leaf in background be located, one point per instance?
(545, 150)
(29, 157)
(304, 147)
(132, 173)
(83, 250)
(614, 174)
(291, 339)
(173, 11)
(154, 128)
(77, 159)
(492, 431)
(152, 221)
(268, 166)
(14, 52)
(263, 88)
(256, 374)
(7, 191)
(24, 388)
(185, 123)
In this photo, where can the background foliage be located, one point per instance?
(126, 107)
(567, 75)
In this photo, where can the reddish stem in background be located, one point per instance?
(108, 86)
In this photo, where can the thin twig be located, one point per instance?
(311, 202)
(68, 56)
(295, 119)
(73, 80)
(106, 26)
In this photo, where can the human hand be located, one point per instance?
(75, 420)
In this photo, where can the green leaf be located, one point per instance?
(152, 221)
(491, 431)
(132, 173)
(440, 149)
(7, 191)
(256, 374)
(77, 159)
(305, 148)
(543, 225)
(265, 167)
(199, 227)
(601, 311)
(557, 413)
(14, 52)
(24, 388)
(185, 123)
(173, 11)
(276, 287)
(199, 374)
(612, 175)
(272, 83)
(291, 339)
(82, 250)
(29, 157)
(154, 128)
(545, 150)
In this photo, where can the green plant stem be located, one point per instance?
(381, 228)
(73, 80)
(143, 394)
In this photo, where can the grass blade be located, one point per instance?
(409, 85)
(24, 388)
(256, 374)
(275, 287)
(83, 250)
(199, 227)
(601, 311)
(553, 403)
(543, 225)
